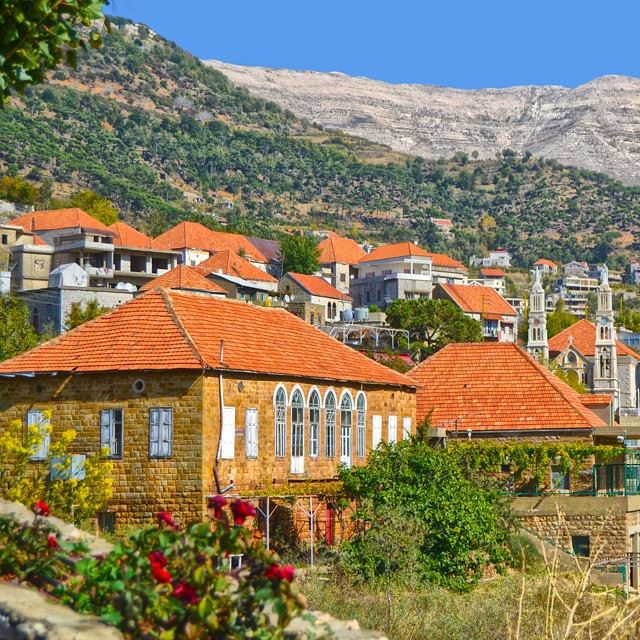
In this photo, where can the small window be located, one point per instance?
(361, 425)
(160, 433)
(406, 428)
(5, 238)
(111, 432)
(581, 546)
(559, 478)
(251, 433)
(228, 436)
(38, 419)
(376, 431)
(281, 422)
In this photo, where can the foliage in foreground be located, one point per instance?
(81, 313)
(164, 582)
(412, 493)
(17, 333)
(22, 480)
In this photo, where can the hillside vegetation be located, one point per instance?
(143, 123)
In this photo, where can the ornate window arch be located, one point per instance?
(330, 424)
(361, 424)
(315, 406)
(280, 411)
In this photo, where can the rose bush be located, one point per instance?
(167, 582)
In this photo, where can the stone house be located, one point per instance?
(339, 258)
(189, 394)
(545, 266)
(328, 304)
(493, 277)
(498, 318)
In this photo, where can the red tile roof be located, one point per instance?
(342, 250)
(50, 219)
(492, 272)
(127, 236)
(165, 330)
(595, 399)
(233, 265)
(317, 286)
(478, 299)
(442, 260)
(545, 262)
(398, 250)
(38, 241)
(583, 333)
(193, 235)
(186, 278)
(442, 222)
(495, 387)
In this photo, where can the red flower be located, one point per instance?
(185, 593)
(241, 511)
(160, 573)
(278, 572)
(217, 503)
(157, 557)
(164, 517)
(41, 508)
(52, 543)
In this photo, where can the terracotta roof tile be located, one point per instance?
(478, 299)
(583, 333)
(495, 386)
(442, 260)
(50, 219)
(186, 278)
(342, 250)
(127, 236)
(193, 235)
(595, 399)
(545, 262)
(233, 265)
(398, 250)
(317, 286)
(492, 272)
(164, 330)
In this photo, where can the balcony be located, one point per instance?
(98, 272)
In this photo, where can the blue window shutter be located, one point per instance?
(154, 433)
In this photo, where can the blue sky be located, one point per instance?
(459, 43)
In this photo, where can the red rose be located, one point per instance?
(273, 572)
(41, 508)
(217, 503)
(241, 511)
(160, 573)
(185, 593)
(165, 518)
(287, 572)
(52, 543)
(157, 557)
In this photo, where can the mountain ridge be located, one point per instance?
(594, 126)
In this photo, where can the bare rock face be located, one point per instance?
(594, 126)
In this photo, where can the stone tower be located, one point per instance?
(605, 367)
(537, 344)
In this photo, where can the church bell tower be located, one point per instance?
(537, 344)
(605, 367)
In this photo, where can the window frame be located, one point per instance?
(361, 425)
(280, 422)
(113, 432)
(161, 455)
(315, 420)
(330, 425)
(297, 423)
(42, 453)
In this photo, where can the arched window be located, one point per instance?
(361, 425)
(346, 420)
(328, 311)
(297, 424)
(571, 358)
(314, 424)
(280, 406)
(330, 425)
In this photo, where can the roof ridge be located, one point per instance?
(178, 322)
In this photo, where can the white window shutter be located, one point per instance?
(376, 431)
(37, 418)
(154, 433)
(166, 432)
(393, 430)
(228, 439)
(105, 430)
(406, 427)
(251, 433)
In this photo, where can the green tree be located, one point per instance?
(95, 205)
(300, 254)
(19, 190)
(17, 333)
(461, 525)
(433, 323)
(35, 35)
(79, 313)
(559, 320)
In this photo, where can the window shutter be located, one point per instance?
(105, 430)
(166, 432)
(154, 433)
(406, 428)
(251, 433)
(37, 418)
(393, 430)
(227, 441)
(376, 431)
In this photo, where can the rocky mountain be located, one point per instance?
(595, 126)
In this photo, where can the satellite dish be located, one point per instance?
(287, 299)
